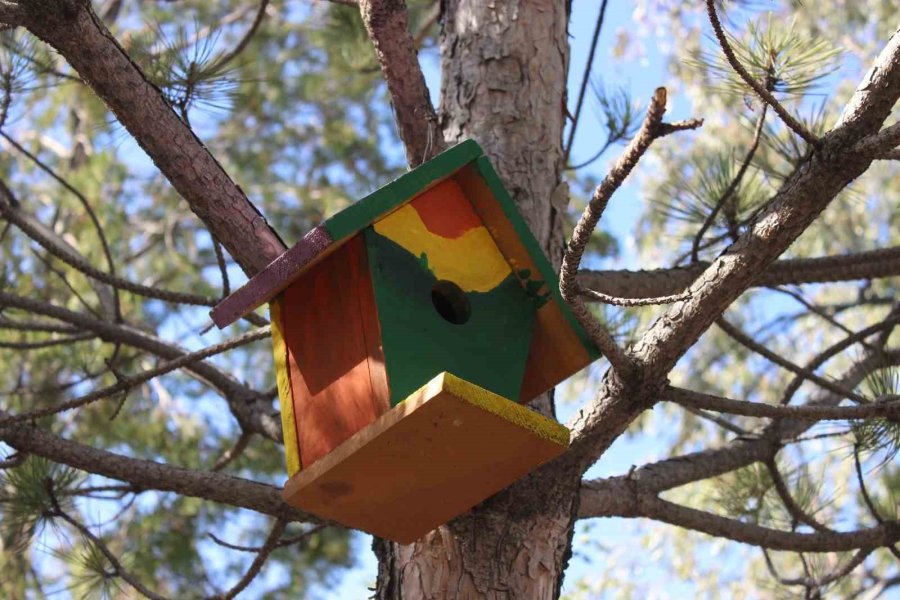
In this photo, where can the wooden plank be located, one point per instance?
(269, 282)
(325, 332)
(559, 345)
(283, 381)
(444, 449)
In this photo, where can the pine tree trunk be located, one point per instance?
(504, 73)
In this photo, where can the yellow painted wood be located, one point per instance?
(472, 261)
(283, 380)
(435, 455)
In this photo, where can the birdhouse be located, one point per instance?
(407, 331)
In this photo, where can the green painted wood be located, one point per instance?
(382, 201)
(547, 273)
(489, 350)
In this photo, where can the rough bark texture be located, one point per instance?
(387, 23)
(504, 68)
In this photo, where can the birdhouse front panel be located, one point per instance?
(447, 298)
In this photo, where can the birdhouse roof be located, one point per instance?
(556, 330)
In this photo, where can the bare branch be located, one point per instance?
(817, 582)
(649, 131)
(262, 556)
(58, 248)
(245, 40)
(584, 81)
(126, 383)
(151, 475)
(616, 301)
(101, 235)
(756, 535)
(387, 23)
(76, 32)
(884, 328)
(748, 342)
(233, 453)
(871, 264)
(719, 404)
(732, 187)
(880, 144)
(603, 497)
(118, 569)
(251, 408)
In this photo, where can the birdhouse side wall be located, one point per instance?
(334, 361)
(559, 346)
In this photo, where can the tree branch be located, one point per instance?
(607, 496)
(75, 31)
(387, 23)
(252, 409)
(703, 401)
(128, 382)
(151, 475)
(764, 537)
(871, 264)
(795, 126)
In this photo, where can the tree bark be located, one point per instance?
(504, 68)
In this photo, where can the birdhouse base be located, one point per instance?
(435, 455)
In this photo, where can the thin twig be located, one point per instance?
(700, 400)
(234, 452)
(617, 301)
(732, 187)
(118, 569)
(763, 93)
(125, 383)
(245, 40)
(651, 129)
(270, 544)
(584, 82)
(794, 509)
(820, 359)
(101, 235)
(748, 342)
(12, 214)
(282, 543)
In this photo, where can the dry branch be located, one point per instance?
(387, 23)
(74, 30)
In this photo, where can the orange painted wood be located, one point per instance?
(430, 458)
(326, 315)
(556, 352)
(445, 211)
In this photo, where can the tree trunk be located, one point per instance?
(504, 74)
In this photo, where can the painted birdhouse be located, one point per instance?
(407, 330)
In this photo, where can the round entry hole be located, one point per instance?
(451, 302)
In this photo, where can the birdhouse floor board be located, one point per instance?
(444, 449)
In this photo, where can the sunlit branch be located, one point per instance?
(703, 401)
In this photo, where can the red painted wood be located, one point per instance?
(445, 210)
(325, 323)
